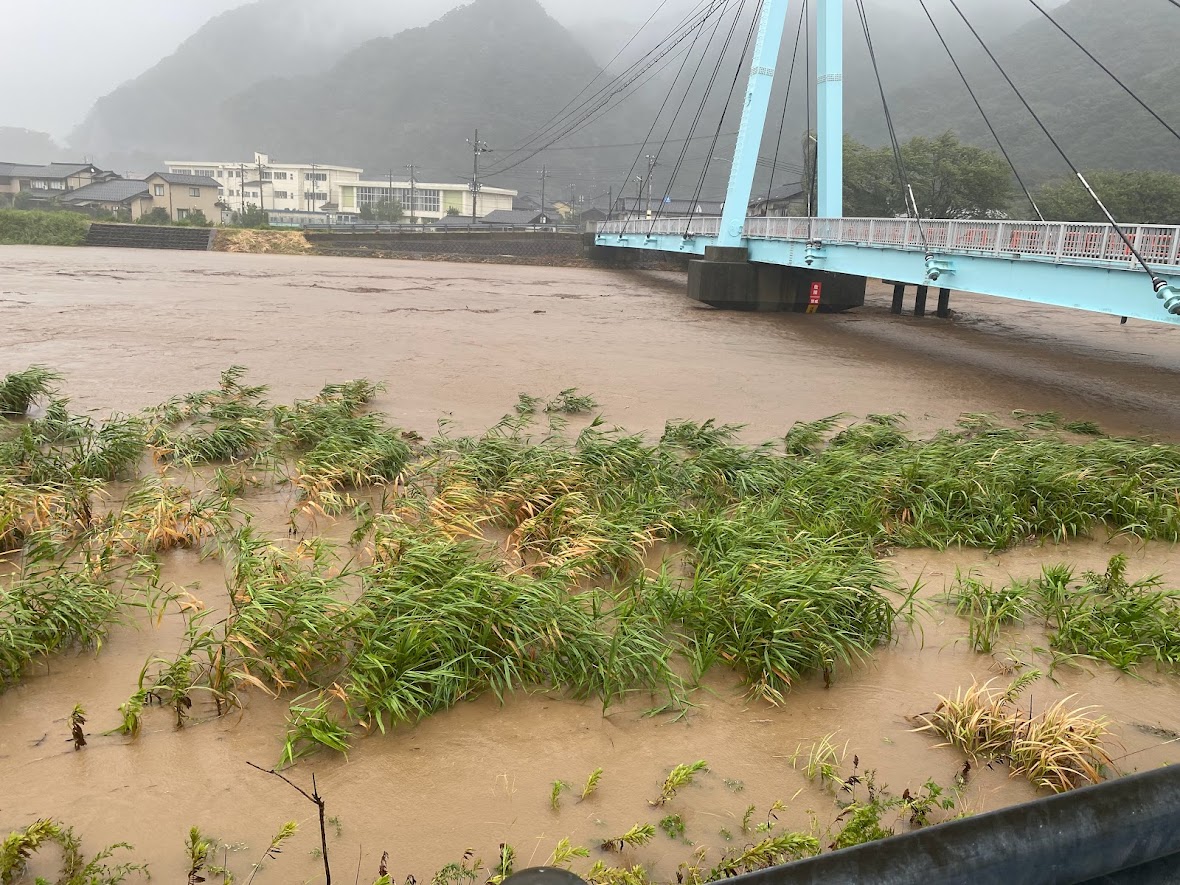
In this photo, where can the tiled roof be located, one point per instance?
(516, 216)
(114, 191)
(192, 180)
(53, 170)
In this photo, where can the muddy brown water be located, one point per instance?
(458, 342)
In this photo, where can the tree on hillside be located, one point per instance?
(1131, 197)
(950, 179)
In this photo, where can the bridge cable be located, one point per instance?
(908, 190)
(667, 98)
(587, 110)
(691, 134)
(571, 111)
(595, 78)
(737, 16)
(755, 24)
(1157, 282)
(708, 91)
(683, 99)
(1105, 69)
(983, 113)
(786, 100)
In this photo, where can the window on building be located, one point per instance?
(57, 185)
(281, 195)
(182, 171)
(158, 190)
(321, 197)
(280, 176)
(266, 176)
(194, 191)
(39, 185)
(315, 176)
(203, 173)
(182, 214)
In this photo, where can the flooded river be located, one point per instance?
(457, 343)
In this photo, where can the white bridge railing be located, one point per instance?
(1062, 242)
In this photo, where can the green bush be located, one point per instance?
(21, 227)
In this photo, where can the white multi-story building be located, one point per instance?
(341, 193)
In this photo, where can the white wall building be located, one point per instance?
(337, 191)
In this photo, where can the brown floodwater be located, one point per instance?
(458, 343)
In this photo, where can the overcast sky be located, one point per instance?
(58, 56)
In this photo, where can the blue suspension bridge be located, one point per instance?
(824, 260)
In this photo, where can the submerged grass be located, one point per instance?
(776, 577)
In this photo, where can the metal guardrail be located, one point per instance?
(697, 227)
(434, 228)
(1058, 242)
(1121, 831)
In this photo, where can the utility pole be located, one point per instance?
(544, 175)
(389, 196)
(242, 185)
(261, 194)
(573, 199)
(610, 204)
(413, 183)
(638, 199)
(477, 147)
(315, 183)
(651, 165)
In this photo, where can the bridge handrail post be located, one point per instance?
(872, 230)
(1138, 243)
(908, 225)
(1174, 258)
(1060, 242)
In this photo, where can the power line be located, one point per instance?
(700, 112)
(668, 97)
(619, 84)
(737, 74)
(595, 78)
(1107, 70)
(982, 112)
(692, 128)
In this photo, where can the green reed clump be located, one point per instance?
(337, 447)
(777, 603)
(51, 608)
(226, 424)
(19, 847)
(1111, 619)
(988, 609)
(19, 390)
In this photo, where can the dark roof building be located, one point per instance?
(188, 180)
(779, 202)
(670, 207)
(117, 190)
(518, 217)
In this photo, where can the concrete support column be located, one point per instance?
(944, 303)
(920, 301)
(898, 298)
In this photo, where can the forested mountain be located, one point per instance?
(27, 146)
(1095, 121)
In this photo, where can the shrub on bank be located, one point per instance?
(28, 227)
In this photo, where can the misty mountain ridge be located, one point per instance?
(506, 66)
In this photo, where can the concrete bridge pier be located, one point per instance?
(727, 279)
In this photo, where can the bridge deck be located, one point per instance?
(1079, 265)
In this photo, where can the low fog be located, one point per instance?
(65, 54)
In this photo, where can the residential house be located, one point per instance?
(183, 194)
(125, 197)
(46, 182)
